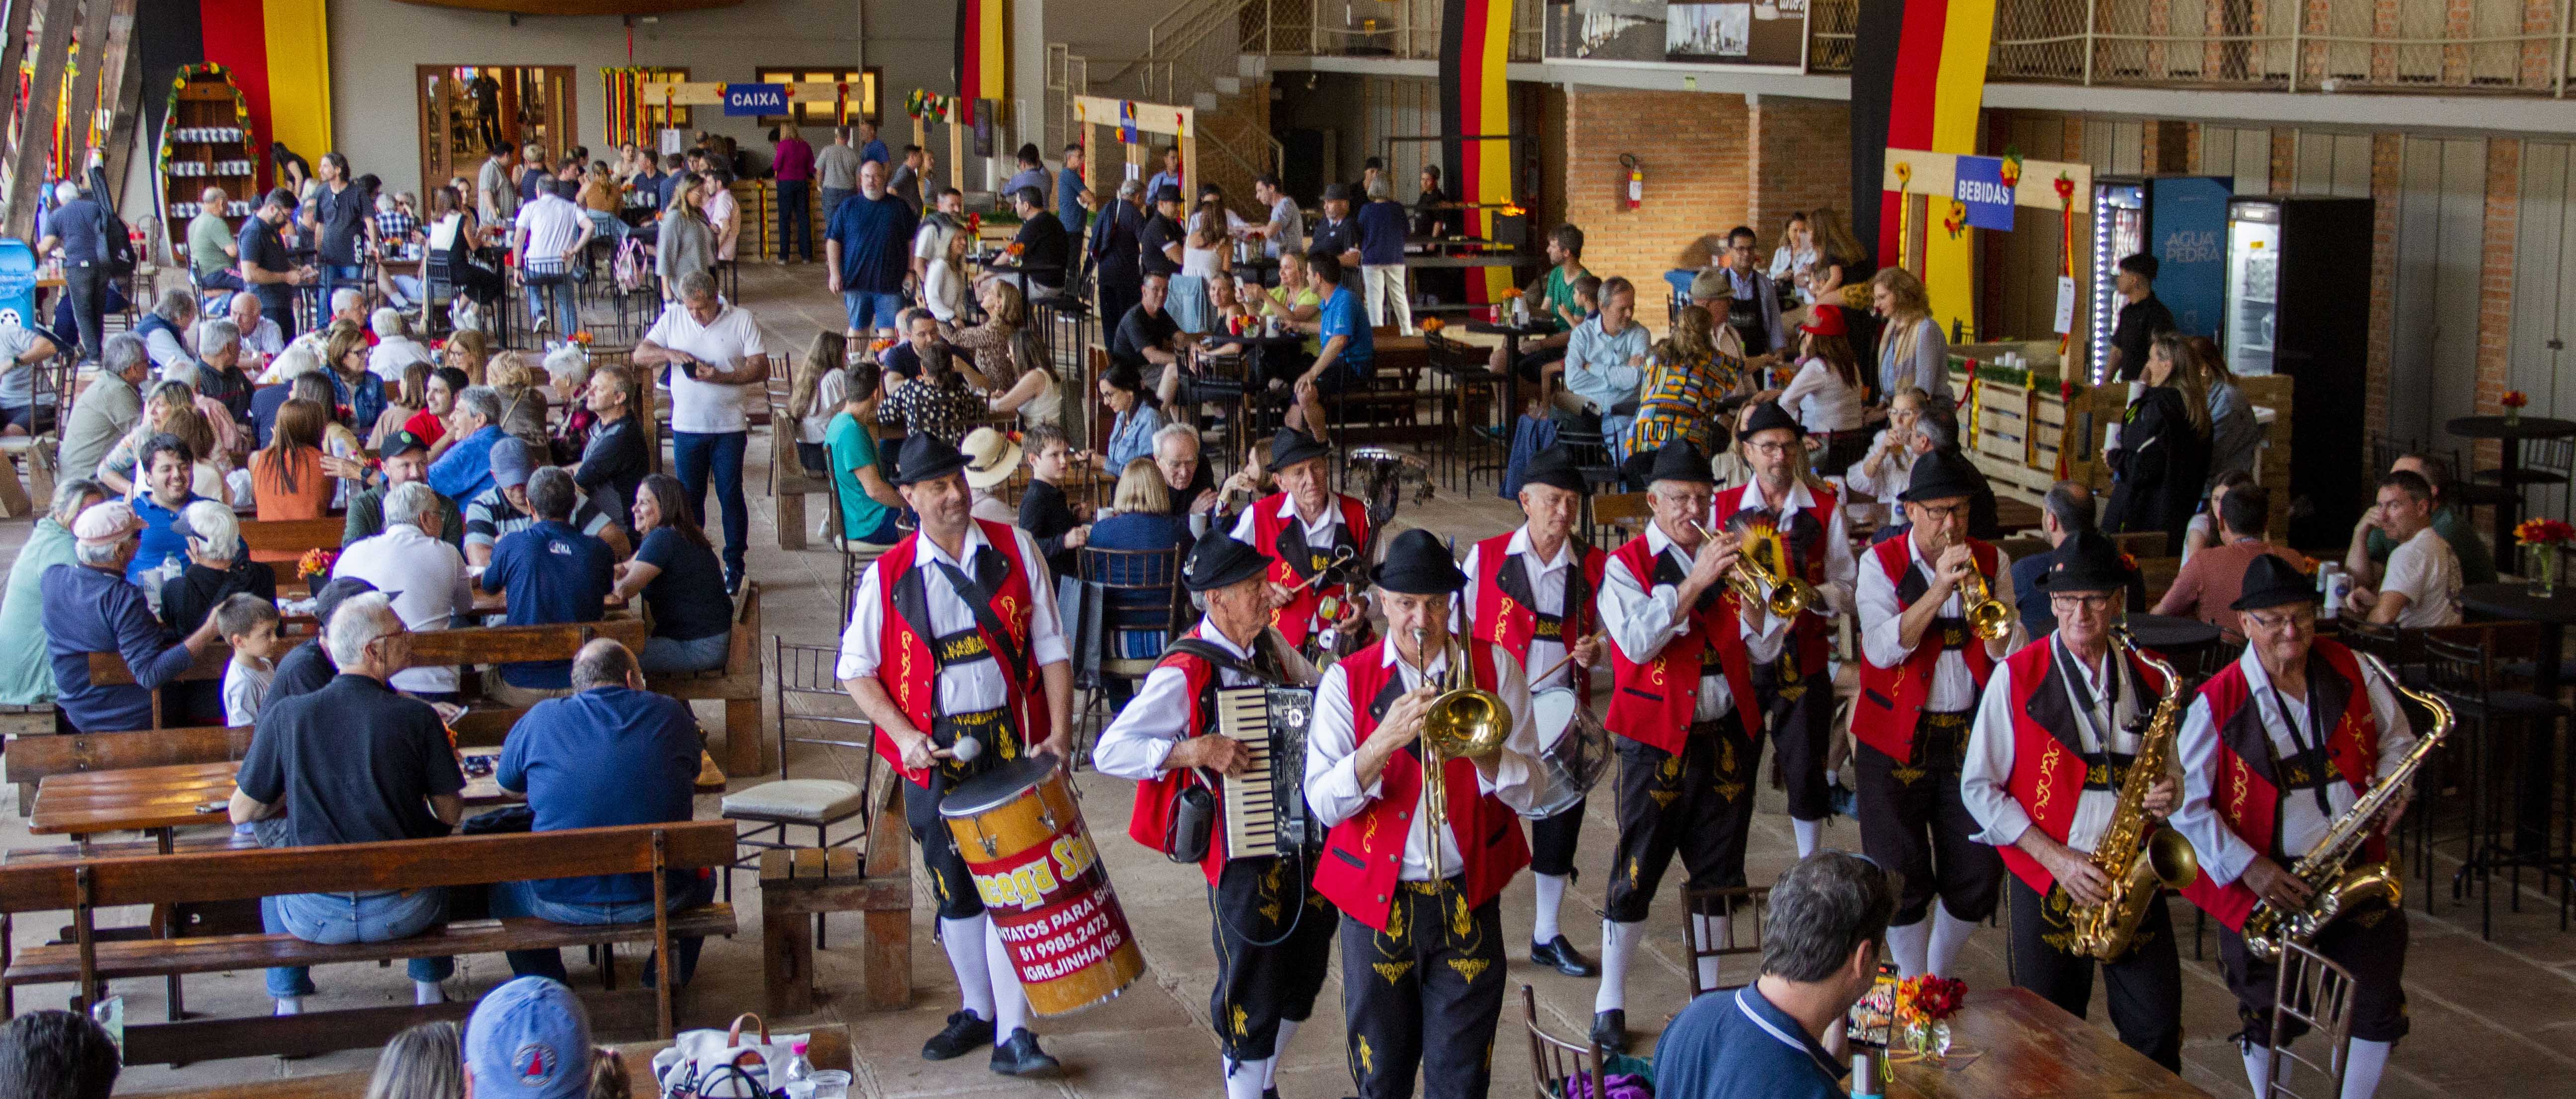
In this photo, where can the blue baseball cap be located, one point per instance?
(529, 1039)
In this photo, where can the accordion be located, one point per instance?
(1265, 806)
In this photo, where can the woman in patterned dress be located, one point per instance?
(1687, 387)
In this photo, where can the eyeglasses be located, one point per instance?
(2100, 601)
(2278, 622)
(1771, 448)
(1943, 511)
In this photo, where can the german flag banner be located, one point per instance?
(278, 52)
(983, 54)
(1918, 80)
(1475, 46)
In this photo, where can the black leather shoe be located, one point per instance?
(1270, 1093)
(965, 1031)
(1020, 1056)
(1560, 955)
(1610, 1030)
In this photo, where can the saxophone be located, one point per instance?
(2339, 887)
(2139, 857)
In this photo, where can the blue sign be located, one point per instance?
(755, 99)
(1979, 186)
(2187, 231)
(18, 284)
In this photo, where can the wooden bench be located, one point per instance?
(738, 684)
(33, 759)
(289, 539)
(510, 644)
(795, 884)
(90, 959)
(788, 480)
(110, 670)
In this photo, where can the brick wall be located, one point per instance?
(1802, 160)
(2386, 151)
(1696, 187)
(2495, 274)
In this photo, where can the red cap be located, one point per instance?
(1825, 320)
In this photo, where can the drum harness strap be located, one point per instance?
(1209, 652)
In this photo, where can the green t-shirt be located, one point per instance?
(208, 236)
(2477, 563)
(1560, 295)
(851, 449)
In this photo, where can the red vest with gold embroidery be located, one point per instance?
(910, 674)
(1651, 702)
(1509, 623)
(2048, 764)
(1364, 856)
(1297, 619)
(1892, 698)
(2243, 788)
(1811, 633)
(1150, 822)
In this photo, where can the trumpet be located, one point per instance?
(1462, 722)
(1988, 618)
(1757, 583)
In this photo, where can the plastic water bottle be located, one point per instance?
(798, 1069)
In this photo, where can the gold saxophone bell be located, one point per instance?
(1461, 723)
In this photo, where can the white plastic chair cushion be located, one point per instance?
(816, 800)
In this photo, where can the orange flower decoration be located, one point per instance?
(1432, 324)
(2544, 532)
(2514, 398)
(316, 562)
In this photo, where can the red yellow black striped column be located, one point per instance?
(1475, 47)
(983, 54)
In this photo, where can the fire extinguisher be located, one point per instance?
(1633, 193)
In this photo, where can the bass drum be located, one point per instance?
(1023, 839)
(1573, 751)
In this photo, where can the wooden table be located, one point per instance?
(829, 1047)
(2509, 435)
(2007, 1043)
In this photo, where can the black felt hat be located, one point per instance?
(1417, 564)
(1678, 460)
(1291, 446)
(926, 457)
(328, 597)
(400, 443)
(1555, 468)
(1769, 416)
(1167, 193)
(1337, 192)
(1220, 561)
(1942, 475)
(2086, 561)
(2273, 582)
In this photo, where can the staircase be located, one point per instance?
(1193, 56)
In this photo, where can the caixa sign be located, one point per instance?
(755, 99)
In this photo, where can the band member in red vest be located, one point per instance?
(1809, 519)
(2276, 747)
(1422, 928)
(2052, 744)
(1274, 932)
(1681, 660)
(1531, 592)
(957, 655)
(1921, 670)
(1310, 529)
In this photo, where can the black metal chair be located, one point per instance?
(2462, 671)
(1120, 591)
(2546, 464)
(771, 808)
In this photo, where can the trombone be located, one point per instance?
(1462, 722)
(1757, 583)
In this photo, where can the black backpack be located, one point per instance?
(118, 245)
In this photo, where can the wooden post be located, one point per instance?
(94, 33)
(54, 40)
(787, 941)
(886, 935)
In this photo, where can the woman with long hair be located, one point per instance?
(424, 1062)
(2234, 434)
(1007, 356)
(286, 477)
(1887, 466)
(2160, 460)
(1911, 349)
(1687, 386)
(686, 242)
(1139, 415)
(1827, 393)
(817, 388)
(344, 354)
(1797, 252)
(518, 383)
(941, 401)
(676, 571)
(1139, 621)
(943, 283)
(163, 402)
(404, 400)
(337, 440)
(1837, 250)
(469, 350)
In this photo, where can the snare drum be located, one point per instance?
(1023, 839)
(1573, 752)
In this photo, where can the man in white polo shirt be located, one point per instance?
(715, 354)
(550, 232)
(2421, 588)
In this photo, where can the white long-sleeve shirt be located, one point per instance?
(1333, 787)
(1882, 629)
(1985, 775)
(2223, 853)
(1318, 532)
(1642, 617)
(1137, 741)
(1547, 591)
(972, 685)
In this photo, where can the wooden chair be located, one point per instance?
(819, 803)
(856, 555)
(737, 684)
(877, 885)
(2316, 994)
(1610, 509)
(1711, 933)
(789, 481)
(1555, 1064)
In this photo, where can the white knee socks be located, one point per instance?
(1246, 1079)
(1010, 1003)
(2363, 1066)
(964, 941)
(1551, 893)
(1909, 943)
(1278, 1053)
(1618, 940)
(1809, 831)
(1949, 933)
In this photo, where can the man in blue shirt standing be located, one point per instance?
(1069, 188)
(1348, 349)
(1382, 225)
(89, 608)
(868, 245)
(611, 753)
(872, 149)
(79, 227)
(1765, 1040)
(553, 574)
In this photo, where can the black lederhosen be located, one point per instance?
(1552, 841)
(1913, 821)
(1425, 993)
(997, 730)
(2145, 984)
(1698, 804)
(2371, 943)
(1801, 712)
(1274, 940)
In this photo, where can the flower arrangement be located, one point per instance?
(974, 224)
(2548, 537)
(582, 337)
(928, 106)
(1924, 1006)
(315, 563)
(1015, 250)
(2513, 402)
(1432, 324)
(1511, 293)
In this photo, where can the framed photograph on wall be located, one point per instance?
(1770, 35)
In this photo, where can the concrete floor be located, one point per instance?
(2494, 1018)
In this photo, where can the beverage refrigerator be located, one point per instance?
(2298, 277)
(2177, 219)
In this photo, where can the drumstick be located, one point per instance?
(1342, 555)
(1561, 661)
